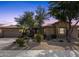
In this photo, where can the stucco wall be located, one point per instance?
(10, 32)
(49, 30)
(54, 28)
(75, 33)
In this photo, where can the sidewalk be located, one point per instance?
(38, 53)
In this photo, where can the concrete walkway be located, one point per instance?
(38, 53)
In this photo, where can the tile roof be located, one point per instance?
(10, 26)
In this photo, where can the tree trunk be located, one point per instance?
(68, 35)
(74, 26)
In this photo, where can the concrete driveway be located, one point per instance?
(6, 41)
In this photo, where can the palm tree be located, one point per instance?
(40, 16)
(25, 21)
(29, 21)
(65, 11)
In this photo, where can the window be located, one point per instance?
(0, 31)
(78, 29)
(61, 30)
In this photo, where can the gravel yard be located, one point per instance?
(7, 44)
(45, 49)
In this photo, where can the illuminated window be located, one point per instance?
(77, 28)
(0, 31)
(61, 30)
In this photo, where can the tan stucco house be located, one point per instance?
(55, 30)
(59, 30)
(9, 31)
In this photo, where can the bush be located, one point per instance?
(38, 38)
(20, 42)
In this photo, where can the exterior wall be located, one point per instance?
(54, 29)
(49, 30)
(10, 32)
(61, 25)
(75, 33)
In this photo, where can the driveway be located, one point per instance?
(6, 41)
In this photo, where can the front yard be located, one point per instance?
(45, 48)
(7, 44)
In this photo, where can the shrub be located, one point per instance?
(38, 38)
(20, 42)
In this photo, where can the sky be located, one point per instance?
(11, 9)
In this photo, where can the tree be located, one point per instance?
(40, 16)
(65, 11)
(25, 21)
(32, 22)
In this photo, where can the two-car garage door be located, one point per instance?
(10, 32)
